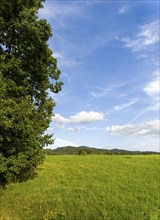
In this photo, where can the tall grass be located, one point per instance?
(87, 188)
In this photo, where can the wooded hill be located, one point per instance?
(84, 150)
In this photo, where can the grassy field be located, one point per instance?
(87, 188)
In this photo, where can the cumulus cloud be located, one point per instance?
(60, 120)
(147, 128)
(152, 88)
(81, 117)
(84, 117)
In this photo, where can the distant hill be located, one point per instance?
(84, 150)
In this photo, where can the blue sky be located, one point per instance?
(108, 53)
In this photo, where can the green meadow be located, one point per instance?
(87, 188)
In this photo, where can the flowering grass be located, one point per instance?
(87, 188)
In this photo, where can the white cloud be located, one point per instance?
(84, 117)
(81, 117)
(76, 129)
(60, 120)
(73, 129)
(149, 33)
(124, 9)
(152, 88)
(125, 105)
(146, 128)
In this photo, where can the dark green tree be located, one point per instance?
(28, 72)
(82, 152)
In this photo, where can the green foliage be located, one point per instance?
(82, 152)
(28, 71)
(87, 188)
(86, 151)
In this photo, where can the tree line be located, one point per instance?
(84, 150)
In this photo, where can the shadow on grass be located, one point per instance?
(24, 177)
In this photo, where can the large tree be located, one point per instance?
(28, 72)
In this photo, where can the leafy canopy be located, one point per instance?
(28, 72)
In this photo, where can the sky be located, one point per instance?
(108, 54)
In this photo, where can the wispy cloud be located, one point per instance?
(62, 16)
(152, 90)
(63, 61)
(62, 97)
(125, 105)
(68, 62)
(101, 92)
(61, 12)
(146, 128)
(123, 10)
(84, 47)
(76, 129)
(73, 129)
(145, 42)
(152, 107)
(65, 75)
(147, 35)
